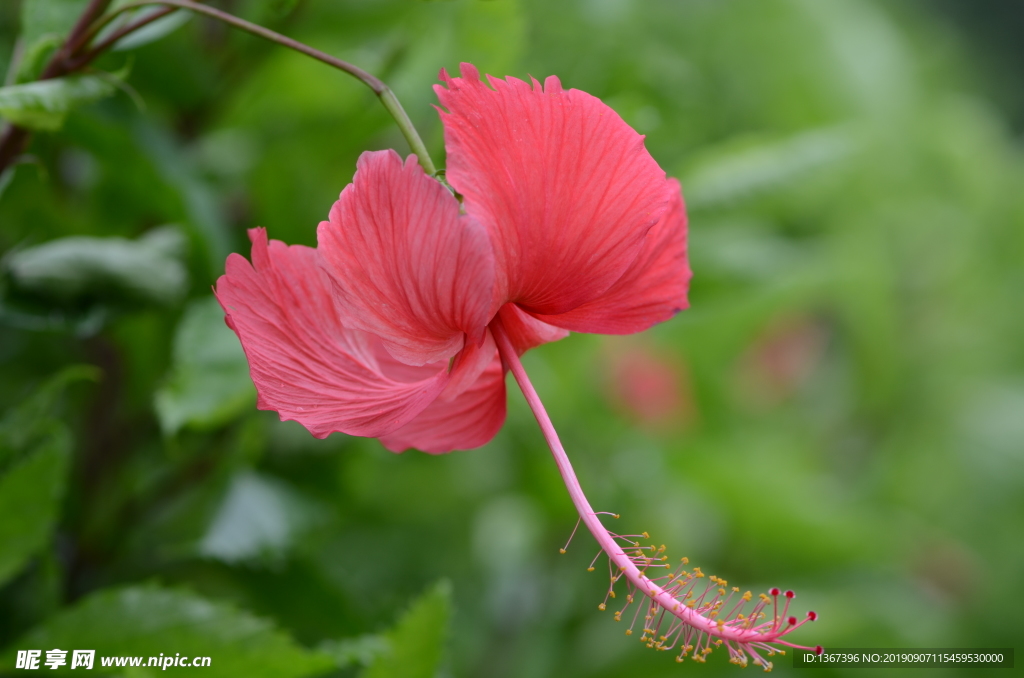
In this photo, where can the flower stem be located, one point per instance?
(747, 636)
(383, 92)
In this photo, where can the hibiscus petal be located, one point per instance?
(470, 420)
(652, 290)
(468, 366)
(525, 331)
(406, 266)
(305, 364)
(565, 187)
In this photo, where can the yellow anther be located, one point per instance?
(590, 569)
(629, 632)
(721, 592)
(646, 536)
(685, 560)
(602, 607)
(735, 589)
(618, 616)
(611, 593)
(616, 516)
(561, 550)
(748, 595)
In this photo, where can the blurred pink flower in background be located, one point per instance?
(650, 386)
(780, 360)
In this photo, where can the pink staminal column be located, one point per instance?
(683, 612)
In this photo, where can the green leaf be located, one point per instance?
(24, 426)
(44, 105)
(35, 57)
(30, 496)
(361, 651)
(6, 177)
(744, 169)
(209, 382)
(202, 203)
(154, 31)
(417, 642)
(147, 621)
(41, 18)
(147, 269)
(35, 449)
(258, 519)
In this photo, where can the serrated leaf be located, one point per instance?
(30, 496)
(209, 382)
(147, 621)
(43, 105)
(147, 269)
(415, 646)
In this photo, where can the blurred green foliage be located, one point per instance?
(845, 397)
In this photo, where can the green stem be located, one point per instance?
(383, 92)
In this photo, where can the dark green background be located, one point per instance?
(848, 408)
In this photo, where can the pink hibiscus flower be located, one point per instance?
(402, 322)
(566, 223)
